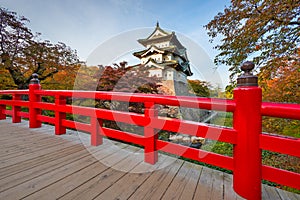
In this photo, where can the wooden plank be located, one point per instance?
(272, 194)
(67, 184)
(26, 140)
(285, 195)
(264, 194)
(217, 185)
(229, 193)
(28, 164)
(18, 151)
(39, 170)
(191, 185)
(35, 154)
(204, 187)
(24, 189)
(182, 179)
(129, 183)
(15, 136)
(36, 146)
(156, 185)
(102, 181)
(43, 168)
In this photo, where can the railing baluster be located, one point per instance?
(96, 131)
(2, 112)
(59, 116)
(151, 153)
(15, 109)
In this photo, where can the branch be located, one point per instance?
(279, 20)
(48, 75)
(40, 69)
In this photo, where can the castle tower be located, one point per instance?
(166, 57)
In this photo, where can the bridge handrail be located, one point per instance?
(246, 134)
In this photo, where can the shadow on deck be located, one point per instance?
(36, 164)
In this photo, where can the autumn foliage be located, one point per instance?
(23, 53)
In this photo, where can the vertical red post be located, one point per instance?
(59, 116)
(16, 109)
(150, 152)
(2, 112)
(96, 131)
(34, 112)
(247, 122)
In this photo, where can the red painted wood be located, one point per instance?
(16, 109)
(124, 136)
(15, 103)
(34, 112)
(195, 129)
(43, 118)
(280, 144)
(282, 110)
(25, 92)
(76, 125)
(225, 162)
(247, 152)
(96, 131)
(150, 134)
(191, 102)
(24, 114)
(2, 111)
(280, 176)
(59, 116)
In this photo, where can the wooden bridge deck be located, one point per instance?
(36, 164)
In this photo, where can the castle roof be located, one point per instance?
(160, 35)
(154, 49)
(172, 63)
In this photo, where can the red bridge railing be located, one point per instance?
(246, 134)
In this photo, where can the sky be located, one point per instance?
(104, 32)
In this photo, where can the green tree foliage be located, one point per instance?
(266, 30)
(199, 88)
(24, 53)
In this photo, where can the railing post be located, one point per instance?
(2, 112)
(150, 151)
(96, 131)
(16, 109)
(59, 116)
(247, 122)
(34, 112)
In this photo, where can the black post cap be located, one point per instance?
(247, 78)
(34, 79)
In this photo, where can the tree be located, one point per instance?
(199, 88)
(123, 78)
(266, 30)
(117, 78)
(284, 87)
(23, 53)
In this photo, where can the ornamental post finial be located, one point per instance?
(247, 78)
(157, 24)
(34, 79)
